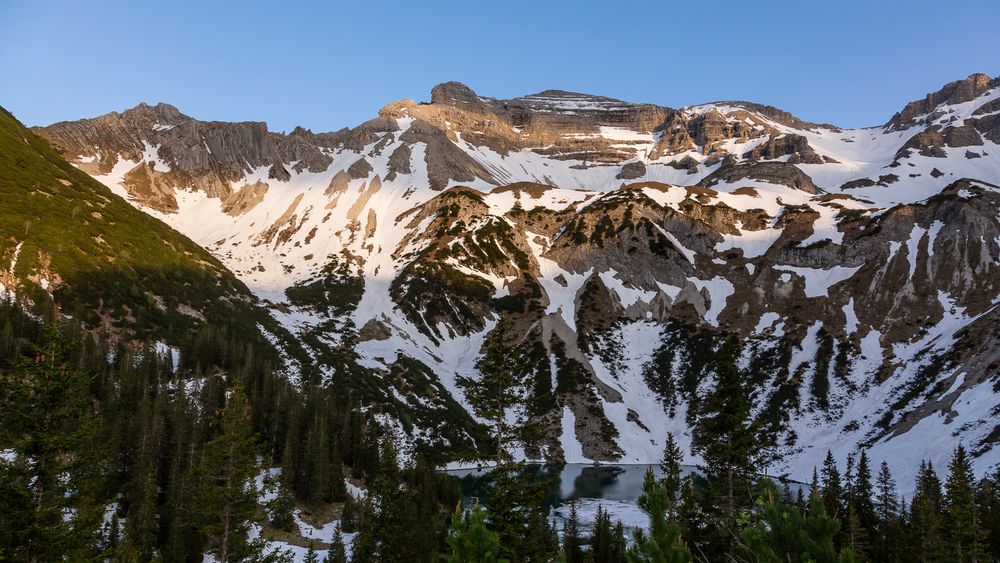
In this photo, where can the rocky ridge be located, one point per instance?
(623, 241)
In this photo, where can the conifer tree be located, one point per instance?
(498, 394)
(664, 543)
(671, 467)
(690, 516)
(500, 389)
(572, 542)
(988, 502)
(542, 540)
(382, 516)
(618, 543)
(926, 541)
(141, 520)
(832, 489)
(963, 529)
(227, 499)
(349, 515)
(45, 420)
(725, 439)
(394, 524)
(311, 555)
(469, 540)
(887, 511)
(337, 553)
(601, 541)
(860, 520)
(279, 508)
(781, 533)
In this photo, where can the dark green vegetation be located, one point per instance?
(336, 292)
(433, 289)
(104, 261)
(114, 449)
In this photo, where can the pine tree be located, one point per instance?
(227, 499)
(887, 511)
(469, 540)
(781, 533)
(925, 540)
(45, 420)
(311, 556)
(988, 503)
(618, 543)
(671, 467)
(572, 543)
(500, 389)
(860, 511)
(337, 553)
(664, 543)
(726, 441)
(963, 529)
(601, 541)
(832, 489)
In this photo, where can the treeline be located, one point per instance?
(123, 451)
(728, 512)
(127, 451)
(839, 518)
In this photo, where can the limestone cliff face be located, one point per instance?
(623, 241)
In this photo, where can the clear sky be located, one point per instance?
(327, 65)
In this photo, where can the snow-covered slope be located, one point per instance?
(624, 241)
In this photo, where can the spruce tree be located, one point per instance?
(470, 540)
(690, 516)
(925, 539)
(832, 489)
(619, 543)
(279, 509)
(860, 509)
(349, 516)
(497, 395)
(780, 533)
(541, 539)
(45, 422)
(601, 541)
(227, 499)
(988, 503)
(963, 530)
(383, 516)
(572, 542)
(516, 513)
(311, 555)
(726, 441)
(500, 388)
(664, 543)
(671, 467)
(887, 511)
(337, 553)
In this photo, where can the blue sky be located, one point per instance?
(327, 65)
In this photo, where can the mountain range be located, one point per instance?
(623, 242)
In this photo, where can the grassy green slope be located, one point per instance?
(104, 259)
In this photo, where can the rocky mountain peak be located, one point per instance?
(454, 94)
(957, 92)
(160, 110)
